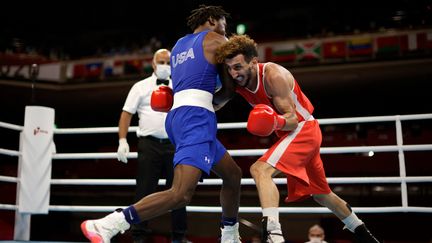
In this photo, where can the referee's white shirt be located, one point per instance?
(138, 101)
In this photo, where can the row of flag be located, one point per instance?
(339, 49)
(351, 47)
(111, 67)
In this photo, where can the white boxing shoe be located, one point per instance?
(272, 232)
(230, 234)
(102, 230)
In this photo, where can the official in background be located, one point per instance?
(316, 234)
(155, 151)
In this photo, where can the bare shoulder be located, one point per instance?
(278, 80)
(211, 42)
(274, 72)
(213, 38)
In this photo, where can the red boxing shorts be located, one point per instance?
(297, 155)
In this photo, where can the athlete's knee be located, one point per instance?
(181, 195)
(257, 171)
(181, 199)
(234, 177)
(253, 169)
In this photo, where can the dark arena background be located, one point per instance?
(352, 59)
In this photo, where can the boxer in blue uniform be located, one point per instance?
(191, 126)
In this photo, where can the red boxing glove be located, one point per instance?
(263, 120)
(162, 99)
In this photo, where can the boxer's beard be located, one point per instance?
(248, 75)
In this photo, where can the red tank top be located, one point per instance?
(303, 106)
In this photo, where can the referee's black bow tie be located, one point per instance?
(162, 81)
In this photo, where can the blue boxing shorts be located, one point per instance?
(193, 130)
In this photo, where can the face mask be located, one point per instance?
(163, 71)
(315, 240)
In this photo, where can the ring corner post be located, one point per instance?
(34, 168)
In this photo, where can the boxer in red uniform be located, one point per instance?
(280, 106)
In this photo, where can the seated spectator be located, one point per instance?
(316, 234)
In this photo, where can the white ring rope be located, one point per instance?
(244, 181)
(243, 152)
(237, 125)
(11, 126)
(207, 209)
(8, 179)
(400, 148)
(247, 181)
(9, 152)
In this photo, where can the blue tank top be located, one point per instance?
(189, 67)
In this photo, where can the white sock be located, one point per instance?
(272, 213)
(352, 222)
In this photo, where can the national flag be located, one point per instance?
(334, 49)
(309, 51)
(133, 66)
(416, 42)
(281, 52)
(360, 47)
(87, 70)
(113, 67)
(93, 70)
(118, 68)
(108, 67)
(79, 71)
(387, 45)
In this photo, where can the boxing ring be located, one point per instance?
(22, 222)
